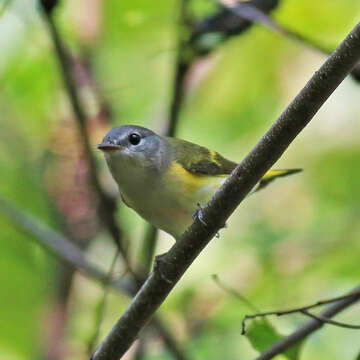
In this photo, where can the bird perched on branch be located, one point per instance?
(165, 180)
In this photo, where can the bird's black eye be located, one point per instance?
(134, 138)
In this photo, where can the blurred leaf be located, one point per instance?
(330, 22)
(262, 334)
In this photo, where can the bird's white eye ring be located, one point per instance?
(134, 138)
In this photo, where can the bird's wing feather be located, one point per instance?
(199, 160)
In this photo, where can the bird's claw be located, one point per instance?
(198, 214)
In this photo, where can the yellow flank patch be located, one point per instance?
(181, 180)
(184, 179)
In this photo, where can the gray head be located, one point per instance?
(136, 145)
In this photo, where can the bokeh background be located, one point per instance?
(292, 244)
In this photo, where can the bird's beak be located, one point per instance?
(109, 147)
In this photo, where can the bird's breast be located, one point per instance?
(166, 200)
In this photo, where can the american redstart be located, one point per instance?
(165, 179)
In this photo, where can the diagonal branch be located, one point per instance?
(170, 267)
(60, 246)
(311, 326)
(254, 14)
(305, 310)
(224, 25)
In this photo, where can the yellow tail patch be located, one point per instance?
(273, 174)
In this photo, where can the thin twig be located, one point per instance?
(312, 325)
(255, 15)
(181, 67)
(100, 308)
(58, 245)
(171, 266)
(233, 292)
(303, 310)
(325, 320)
(223, 25)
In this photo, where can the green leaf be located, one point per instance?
(262, 334)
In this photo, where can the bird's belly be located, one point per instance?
(170, 204)
(179, 197)
(165, 210)
(167, 201)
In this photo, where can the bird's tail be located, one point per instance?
(271, 175)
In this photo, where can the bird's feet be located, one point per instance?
(198, 214)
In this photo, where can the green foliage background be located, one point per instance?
(292, 244)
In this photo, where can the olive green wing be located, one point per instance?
(199, 160)
(202, 161)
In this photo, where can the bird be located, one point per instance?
(164, 179)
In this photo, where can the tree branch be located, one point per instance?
(170, 267)
(182, 65)
(61, 247)
(224, 25)
(311, 326)
(254, 14)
